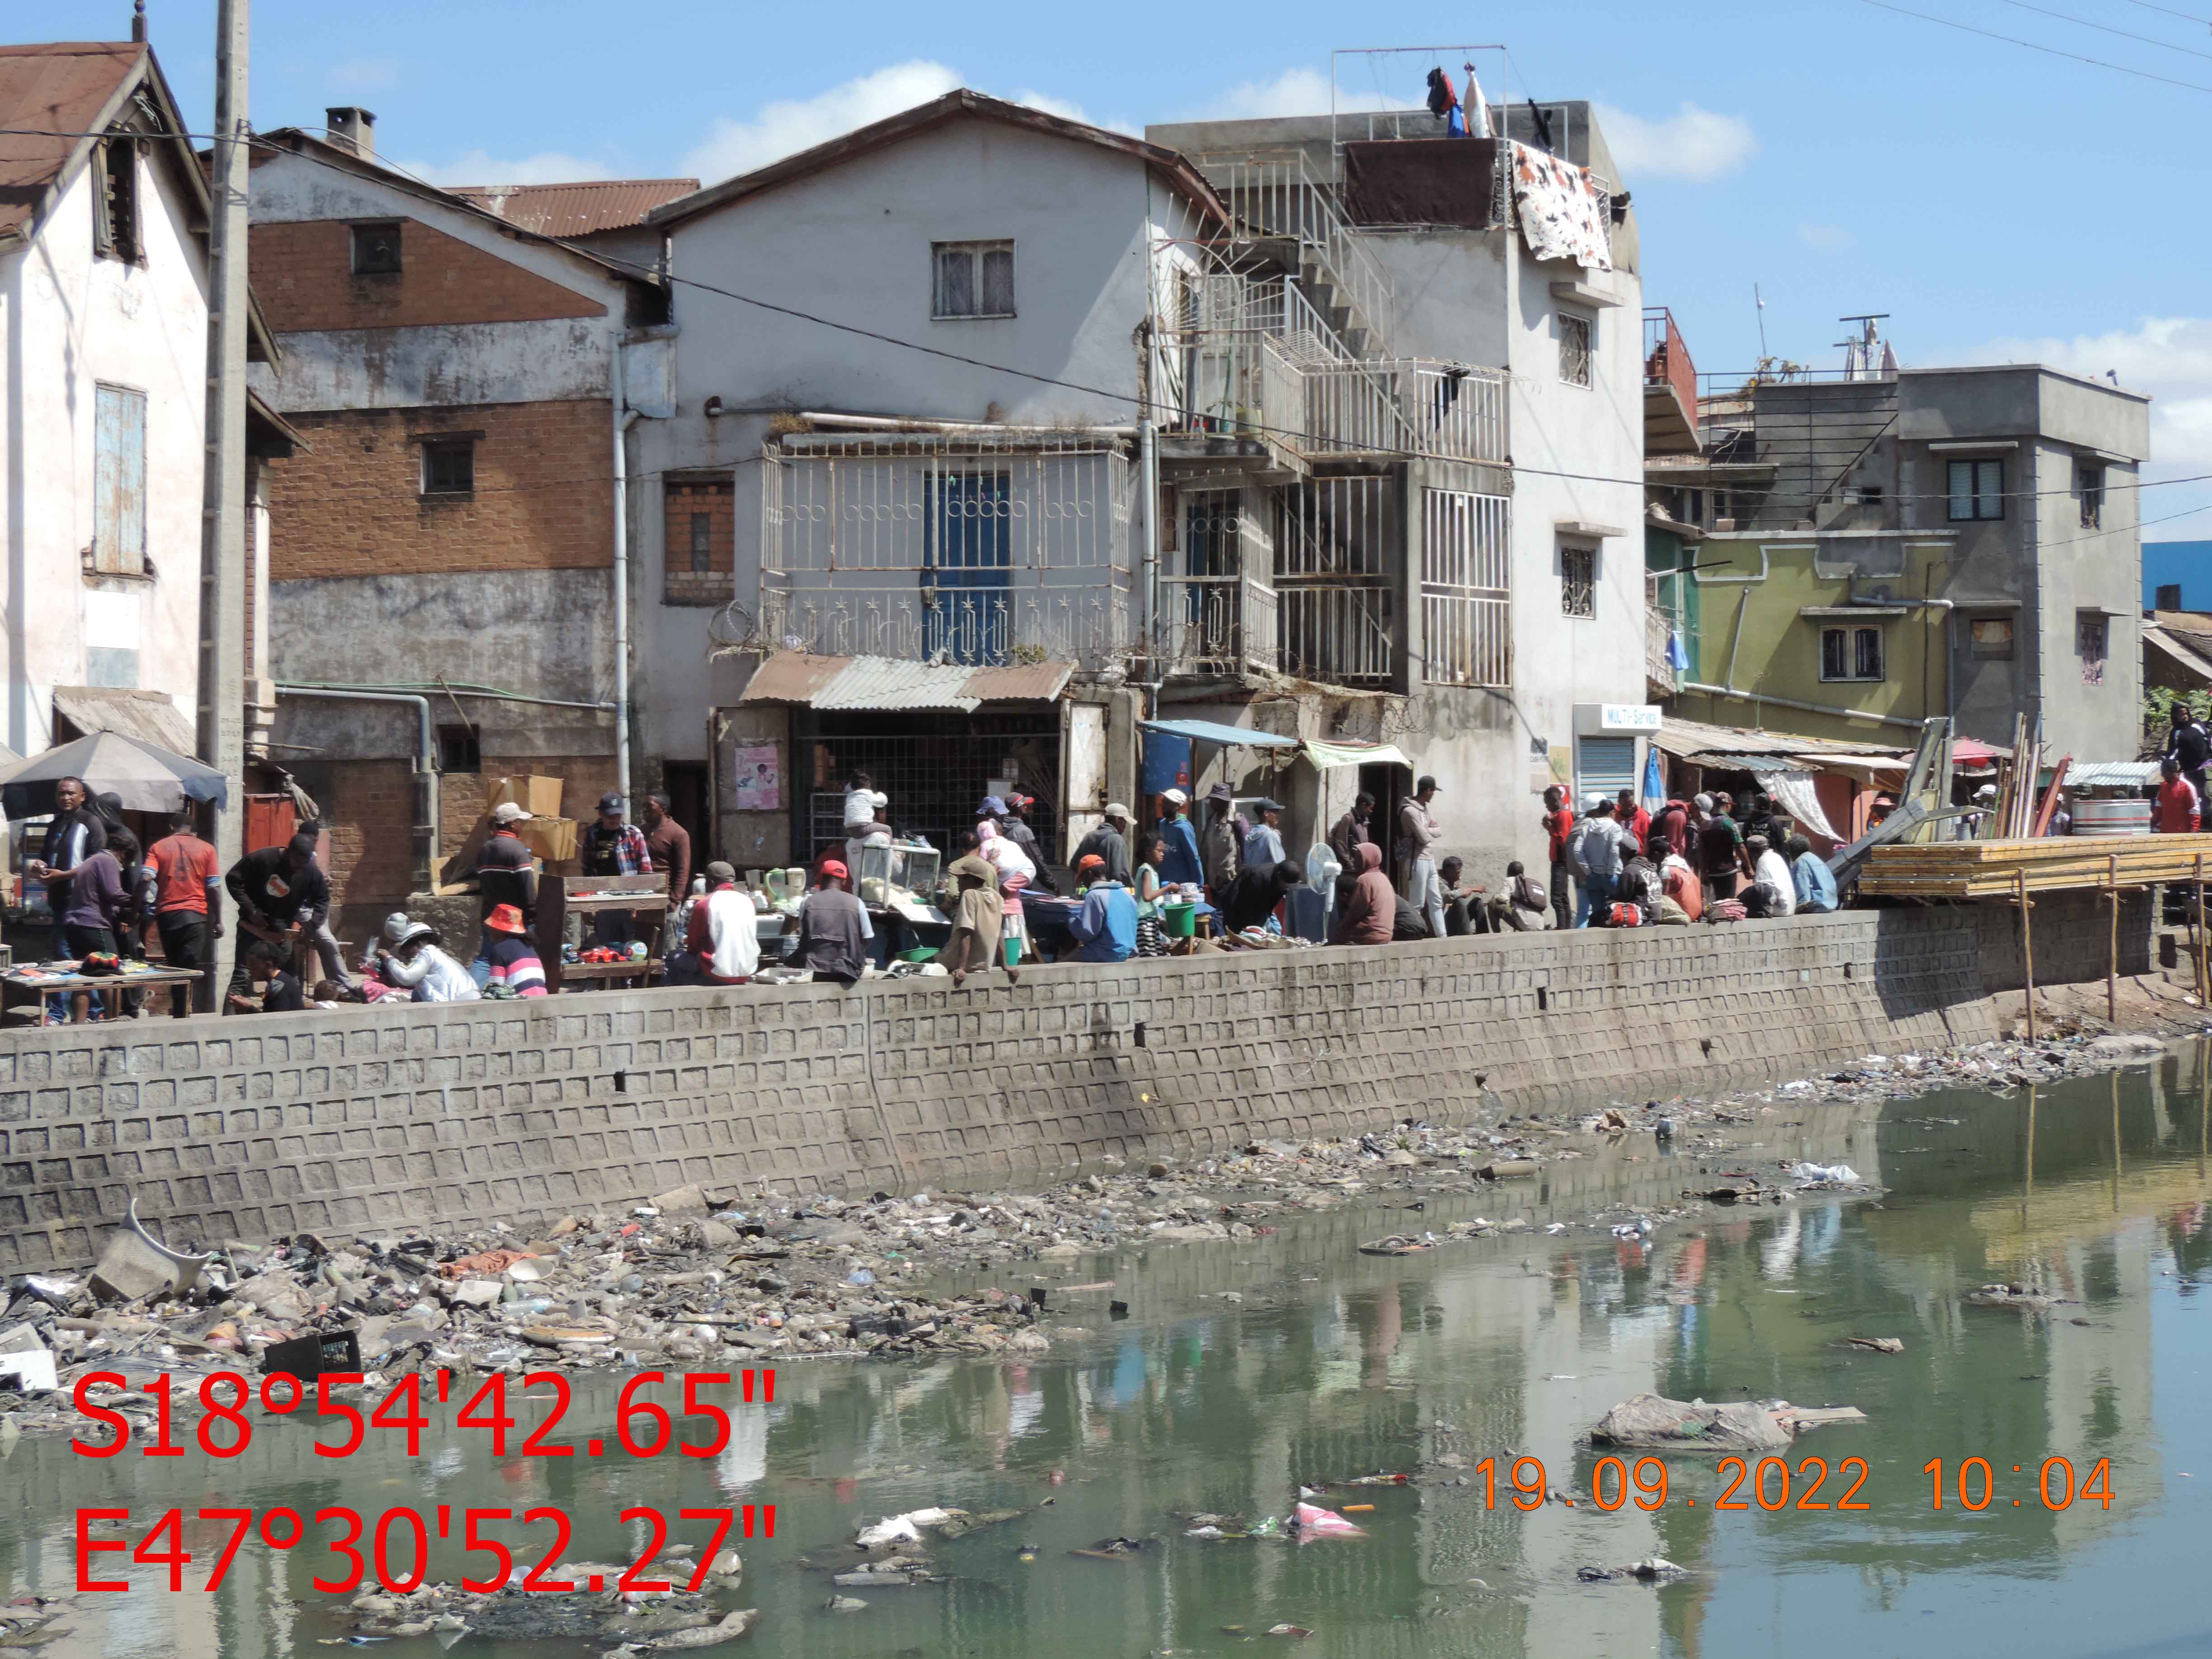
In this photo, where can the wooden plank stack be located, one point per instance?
(1991, 869)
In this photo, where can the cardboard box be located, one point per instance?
(553, 839)
(539, 797)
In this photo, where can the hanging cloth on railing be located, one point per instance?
(1476, 106)
(1560, 212)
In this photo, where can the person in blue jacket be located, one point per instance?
(1181, 863)
(1809, 875)
(1105, 929)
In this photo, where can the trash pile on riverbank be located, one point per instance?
(693, 1281)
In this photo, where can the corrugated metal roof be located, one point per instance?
(49, 95)
(1685, 739)
(2112, 774)
(1215, 732)
(147, 716)
(583, 209)
(879, 683)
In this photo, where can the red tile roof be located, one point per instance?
(55, 91)
(576, 210)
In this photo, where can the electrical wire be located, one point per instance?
(2055, 52)
(651, 272)
(2149, 40)
(2185, 16)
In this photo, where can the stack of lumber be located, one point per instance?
(1991, 869)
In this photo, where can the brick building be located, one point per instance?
(445, 553)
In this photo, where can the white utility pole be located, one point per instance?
(222, 536)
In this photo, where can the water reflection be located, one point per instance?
(1335, 1364)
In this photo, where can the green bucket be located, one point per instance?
(1181, 920)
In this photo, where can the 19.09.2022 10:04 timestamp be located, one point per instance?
(1810, 1485)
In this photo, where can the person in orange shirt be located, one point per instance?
(2180, 811)
(187, 883)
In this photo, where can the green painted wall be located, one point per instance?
(1751, 595)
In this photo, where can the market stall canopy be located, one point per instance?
(146, 776)
(1326, 755)
(1733, 747)
(876, 684)
(1973, 751)
(1213, 731)
(148, 716)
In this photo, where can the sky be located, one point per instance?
(2002, 203)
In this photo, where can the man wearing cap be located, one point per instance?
(1417, 840)
(1217, 850)
(506, 874)
(1105, 929)
(409, 958)
(1182, 863)
(282, 896)
(516, 970)
(1110, 842)
(612, 846)
(833, 928)
(1263, 843)
(1721, 857)
(721, 944)
(977, 918)
(1603, 845)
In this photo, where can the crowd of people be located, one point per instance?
(1615, 864)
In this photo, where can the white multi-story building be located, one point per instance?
(103, 217)
(1041, 439)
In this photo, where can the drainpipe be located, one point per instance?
(1810, 708)
(425, 769)
(622, 419)
(1148, 481)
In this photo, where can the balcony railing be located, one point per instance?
(1218, 626)
(1089, 626)
(1406, 406)
(1659, 626)
(1340, 634)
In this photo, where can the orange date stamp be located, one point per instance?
(1807, 1484)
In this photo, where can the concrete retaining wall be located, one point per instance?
(391, 1119)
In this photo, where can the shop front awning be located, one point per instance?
(879, 684)
(1213, 731)
(148, 716)
(1327, 756)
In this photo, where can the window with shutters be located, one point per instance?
(971, 279)
(119, 482)
(376, 249)
(1976, 490)
(115, 232)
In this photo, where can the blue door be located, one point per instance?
(967, 563)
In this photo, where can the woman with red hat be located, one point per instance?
(516, 970)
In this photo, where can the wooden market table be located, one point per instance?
(560, 897)
(15, 991)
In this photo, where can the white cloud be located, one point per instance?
(1294, 91)
(2168, 357)
(364, 74)
(791, 124)
(1826, 238)
(1692, 143)
(481, 168)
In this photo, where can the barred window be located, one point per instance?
(1575, 341)
(972, 279)
(1466, 611)
(1852, 654)
(1578, 581)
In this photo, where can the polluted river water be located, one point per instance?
(1250, 1368)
